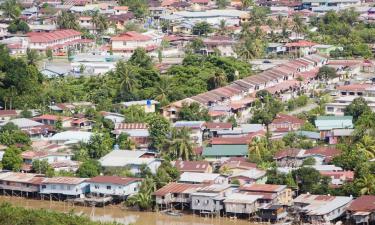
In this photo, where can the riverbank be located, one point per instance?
(114, 213)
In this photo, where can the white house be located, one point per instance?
(114, 186)
(129, 159)
(198, 178)
(66, 186)
(127, 42)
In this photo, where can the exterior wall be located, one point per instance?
(64, 189)
(50, 44)
(240, 208)
(205, 203)
(285, 197)
(172, 198)
(16, 186)
(114, 189)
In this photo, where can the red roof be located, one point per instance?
(230, 140)
(354, 87)
(300, 43)
(176, 188)
(38, 37)
(192, 166)
(328, 152)
(131, 36)
(343, 175)
(51, 117)
(130, 126)
(113, 180)
(8, 113)
(33, 154)
(213, 125)
(239, 164)
(365, 203)
(284, 118)
(263, 188)
(290, 152)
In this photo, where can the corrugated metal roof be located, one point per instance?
(225, 150)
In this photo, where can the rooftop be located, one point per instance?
(177, 188)
(270, 188)
(114, 180)
(365, 203)
(225, 150)
(64, 180)
(192, 177)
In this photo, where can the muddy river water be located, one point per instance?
(122, 216)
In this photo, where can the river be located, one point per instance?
(115, 213)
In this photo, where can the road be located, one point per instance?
(306, 108)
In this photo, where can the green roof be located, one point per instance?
(225, 150)
(333, 122)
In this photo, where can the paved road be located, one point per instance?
(303, 109)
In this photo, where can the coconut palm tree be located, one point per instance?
(163, 90)
(32, 56)
(222, 30)
(180, 146)
(366, 184)
(67, 20)
(217, 80)
(143, 199)
(99, 21)
(126, 75)
(367, 146)
(11, 9)
(256, 149)
(298, 26)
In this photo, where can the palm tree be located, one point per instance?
(126, 75)
(246, 4)
(32, 56)
(279, 20)
(298, 25)
(180, 146)
(366, 184)
(255, 148)
(367, 146)
(217, 80)
(2, 78)
(222, 30)
(99, 22)
(67, 20)
(143, 199)
(11, 9)
(163, 90)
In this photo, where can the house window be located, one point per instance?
(197, 201)
(53, 187)
(124, 43)
(44, 187)
(330, 109)
(68, 187)
(109, 187)
(175, 195)
(351, 93)
(96, 186)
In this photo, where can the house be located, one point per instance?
(271, 193)
(114, 117)
(215, 152)
(115, 186)
(320, 208)
(223, 45)
(237, 165)
(196, 129)
(138, 133)
(241, 204)
(6, 115)
(300, 47)
(199, 178)
(32, 128)
(65, 187)
(319, 6)
(126, 43)
(26, 183)
(133, 160)
(337, 107)
(273, 213)
(362, 210)
(210, 199)
(338, 178)
(148, 106)
(48, 119)
(249, 176)
(275, 48)
(177, 194)
(57, 41)
(325, 124)
(285, 123)
(118, 10)
(70, 137)
(30, 156)
(193, 166)
(213, 127)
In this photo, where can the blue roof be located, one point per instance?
(308, 134)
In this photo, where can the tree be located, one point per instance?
(67, 20)
(366, 145)
(138, 7)
(195, 45)
(158, 128)
(366, 184)
(202, 28)
(10, 134)
(356, 108)
(11, 9)
(124, 141)
(310, 161)
(125, 73)
(89, 168)
(49, 54)
(326, 72)
(166, 174)
(222, 30)
(258, 15)
(99, 145)
(222, 4)
(250, 48)
(246, 4)
(141, 59)
(134, 114)
(309, 180)
(12, 159)
(99, 21)
(257, 150)
(143, 199)
(180, 145)
(193, 112)
(217, 80)
(42, 167)
(298, 25)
